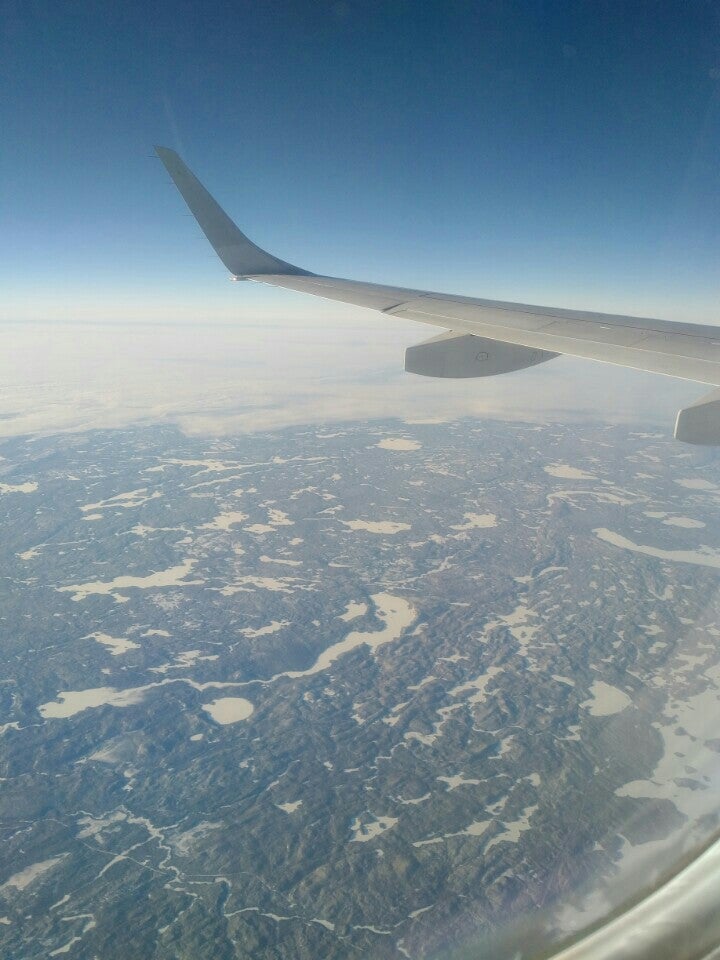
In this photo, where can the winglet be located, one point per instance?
(240, 255)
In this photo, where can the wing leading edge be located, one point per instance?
(486, 337)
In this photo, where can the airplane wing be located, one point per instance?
(483, 337)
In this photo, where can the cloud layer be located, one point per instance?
(221, 379)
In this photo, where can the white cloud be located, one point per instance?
(224, 379)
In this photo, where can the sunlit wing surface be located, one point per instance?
(484, 337)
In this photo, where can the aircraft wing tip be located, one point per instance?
(165, 153)
(239, 254)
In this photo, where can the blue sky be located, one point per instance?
(545, 152)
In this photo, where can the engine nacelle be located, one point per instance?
(700, 422)
(465, 355)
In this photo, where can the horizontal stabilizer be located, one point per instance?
(240, 255)
(700, 422)
(465, 355)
